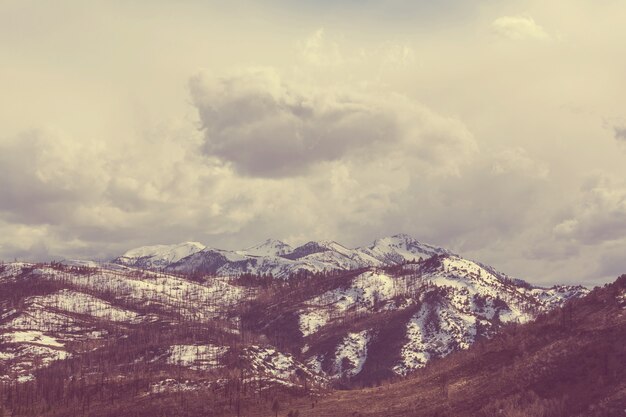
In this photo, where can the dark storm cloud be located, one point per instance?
(268, 128)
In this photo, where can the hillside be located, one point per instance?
(374, 324)
(569, 362)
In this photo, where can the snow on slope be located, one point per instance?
(367, 291)
(32, 337)
(556, 296)
(9, 271)
(271, 365)
(27, 350)
(80, 303)
(154, 290)
(435, 331)
(351, 354)
(55, 324)
(20, 360)
(454, 301)
(196, 357)
(265, 368)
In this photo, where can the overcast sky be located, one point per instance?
(494, 128)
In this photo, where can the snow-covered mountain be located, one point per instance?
(277, 258)
(159, 256)
(271, 247)
(384, 322)
(386, 310)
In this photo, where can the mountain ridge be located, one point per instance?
(278, 258)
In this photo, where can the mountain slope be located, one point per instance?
(570, 362)
(403, 316)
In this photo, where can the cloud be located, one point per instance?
(411, 119)
(519, 27)
(327, 52)
(518, 160)
(318, 49)
(74, 196)
(619, 132)
(267, 127)
(611, 262)
(44, 173)
(600, 213)
(494, 198)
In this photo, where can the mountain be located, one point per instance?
(159, 256)
(402, 316)
(119, 341)
(277, 258)
(569, 362)
(402, 247)
(368, 325)
(271, 247)
(142, 328)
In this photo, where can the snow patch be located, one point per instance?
(351, 354)
(31, 336)
(80, 303)
(197, 357)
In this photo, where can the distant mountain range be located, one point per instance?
(278, 258)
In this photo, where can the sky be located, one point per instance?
(496, 129)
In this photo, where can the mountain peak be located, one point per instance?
(394, 249)
(152, 250)
(159, 255)
(270, 247)
(278, 258)
(396, 239)
(331, 244)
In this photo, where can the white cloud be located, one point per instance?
(519, 28)
(518, 160)
(317, 49)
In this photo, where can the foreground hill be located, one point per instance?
(569, 362)
(372, 324)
